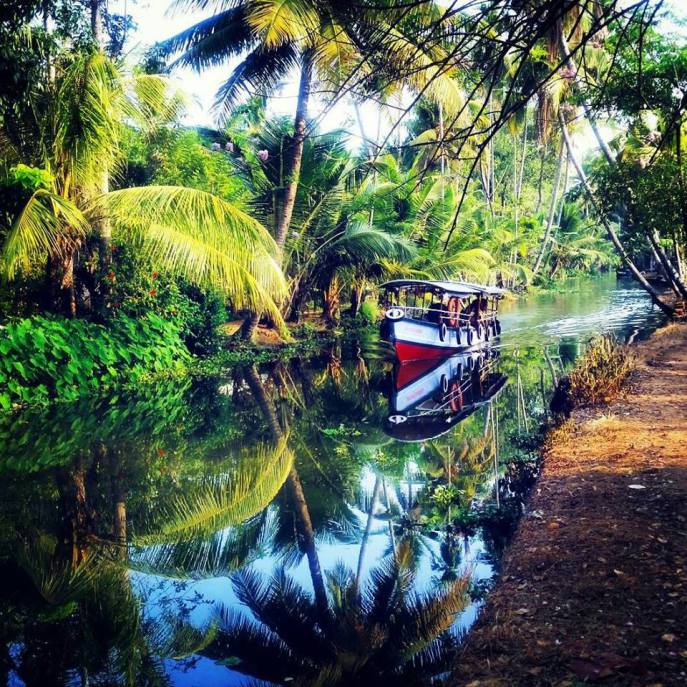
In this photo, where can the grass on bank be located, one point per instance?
(600, 373)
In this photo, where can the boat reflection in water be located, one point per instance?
(427, 398)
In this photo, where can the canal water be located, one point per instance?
(323, 521)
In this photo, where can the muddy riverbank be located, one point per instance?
(594, 585)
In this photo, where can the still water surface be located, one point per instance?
(273, 523)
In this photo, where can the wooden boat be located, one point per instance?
(431, 319)
(429, 397)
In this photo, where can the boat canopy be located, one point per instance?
(454, 288)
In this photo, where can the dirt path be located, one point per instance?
(594, 585)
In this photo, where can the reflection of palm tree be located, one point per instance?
(385, 633)
(306, 531)
(85, 598)
(208, 529)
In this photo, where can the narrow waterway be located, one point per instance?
(196, 533)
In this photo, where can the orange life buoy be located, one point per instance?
(456, 397)
(453, 310)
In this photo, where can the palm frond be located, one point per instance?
(202, 236)
(278, 22)
(216, 503)
(47, 225)
(154, 102)
(260, 72)
(56, 580)
(213, 41)
(363, 240)
(89, 112)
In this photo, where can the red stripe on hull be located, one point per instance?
(416, 351)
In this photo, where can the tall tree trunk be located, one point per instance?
(307, 534)
(293, 160)
(639, 277)
(356, 297)
(331, 313)
(249, 327)
(97, 20)
(552, 210)
(77, 523)
(368, 528)
(295, 153)
(683, 198)
(589, 115)
(566, 178)
(540, 196)
(62, 290)
(671, 275)
(519, 177)
(102, 227)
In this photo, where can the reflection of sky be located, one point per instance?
(160, 595)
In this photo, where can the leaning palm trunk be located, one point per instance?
(672, 275)
(293, 163)
(639, 277)
(368, 529)
(670, 272)
(565, 48)
(287, 202)
(552, 211)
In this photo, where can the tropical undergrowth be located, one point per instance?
(50, 358)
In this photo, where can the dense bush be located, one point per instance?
(43, 358)
(136, 289)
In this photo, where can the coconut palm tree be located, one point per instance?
(332, 240)
(339, 45)
(191, 232)
(381, 633)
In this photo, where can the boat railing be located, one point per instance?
(422, 312)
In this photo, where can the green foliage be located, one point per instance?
(30, 178)
(601, 372)
(136, 288)
(369, 311)
(182, 157)
(47, 358)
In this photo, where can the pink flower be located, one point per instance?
(215, 147)
(229, 147)
(263, 155)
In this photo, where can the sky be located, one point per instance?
(155, 22)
